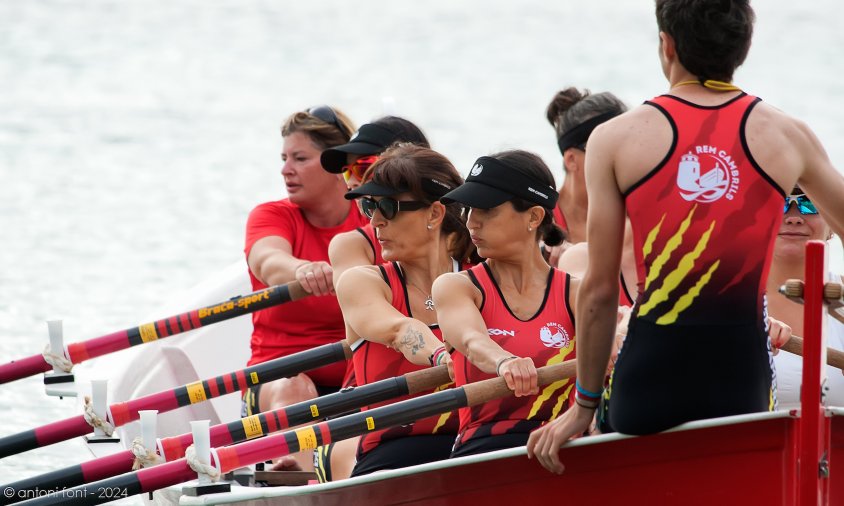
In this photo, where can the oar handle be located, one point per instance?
(296, 291)
(834, 357)
(426, 379)
(495, 388)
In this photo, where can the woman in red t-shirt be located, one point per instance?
(288, 240)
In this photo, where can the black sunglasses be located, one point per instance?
(389, 207)
(327, 115)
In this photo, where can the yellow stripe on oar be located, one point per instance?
(196, 392)
(148, 332)
(252, 426)
(307, 438)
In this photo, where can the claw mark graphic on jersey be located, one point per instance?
(548, 391)
(673, 279)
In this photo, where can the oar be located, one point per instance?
(834, 357)
(125, 412)
(166, 327)
(305, 438)
(173, 448)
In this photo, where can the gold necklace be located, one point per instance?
(712, 84)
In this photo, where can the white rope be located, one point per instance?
(144, 457)
(200, 467)
(94, 420)
(56, 360)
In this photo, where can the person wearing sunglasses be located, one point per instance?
(389, 307)
(288, 240)
(701, 170)
(353, 160)
(574, 114)
(360, 246)
(801, 222)
(513, 312)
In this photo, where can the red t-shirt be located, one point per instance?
(548, 338)
(375, 362)
(313, 321)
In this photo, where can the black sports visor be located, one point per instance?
(578, 135)
(492, 182)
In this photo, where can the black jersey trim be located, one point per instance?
(477, 283)
(674, 139)
(369, 241)
(504, 301)
(403, 282)
(749, 155)
(624, 289)
(706, 107)
(568, 302)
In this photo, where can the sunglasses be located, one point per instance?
(327, 115)
(389, 207)
(804, 205)
(359, 167)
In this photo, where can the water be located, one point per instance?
(136, 136)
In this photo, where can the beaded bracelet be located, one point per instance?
(586, 393)
(501, 361)
(436, 357)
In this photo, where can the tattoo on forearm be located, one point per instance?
(412, 340)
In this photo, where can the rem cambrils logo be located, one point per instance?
(707, 175)
(554, 335)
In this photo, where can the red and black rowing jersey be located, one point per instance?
(548, 338)
(368, 232)
(374, 362)
(704, 220)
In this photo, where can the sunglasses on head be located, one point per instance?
(359, 167)
(389, 207)
(326, 115)
(804, 205)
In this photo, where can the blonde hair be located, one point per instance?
(324, 135)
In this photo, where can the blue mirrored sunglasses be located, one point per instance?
(804, 205)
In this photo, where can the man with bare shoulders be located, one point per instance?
(702, 172)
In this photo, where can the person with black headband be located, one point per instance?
(574, 114)
(390, 308)
(702, 171)
(288, 240)
(513, 312)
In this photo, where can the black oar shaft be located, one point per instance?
(259, 450)
(159, 329)
(234, 432)
(200, 391)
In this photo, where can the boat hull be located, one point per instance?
(749, 459)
